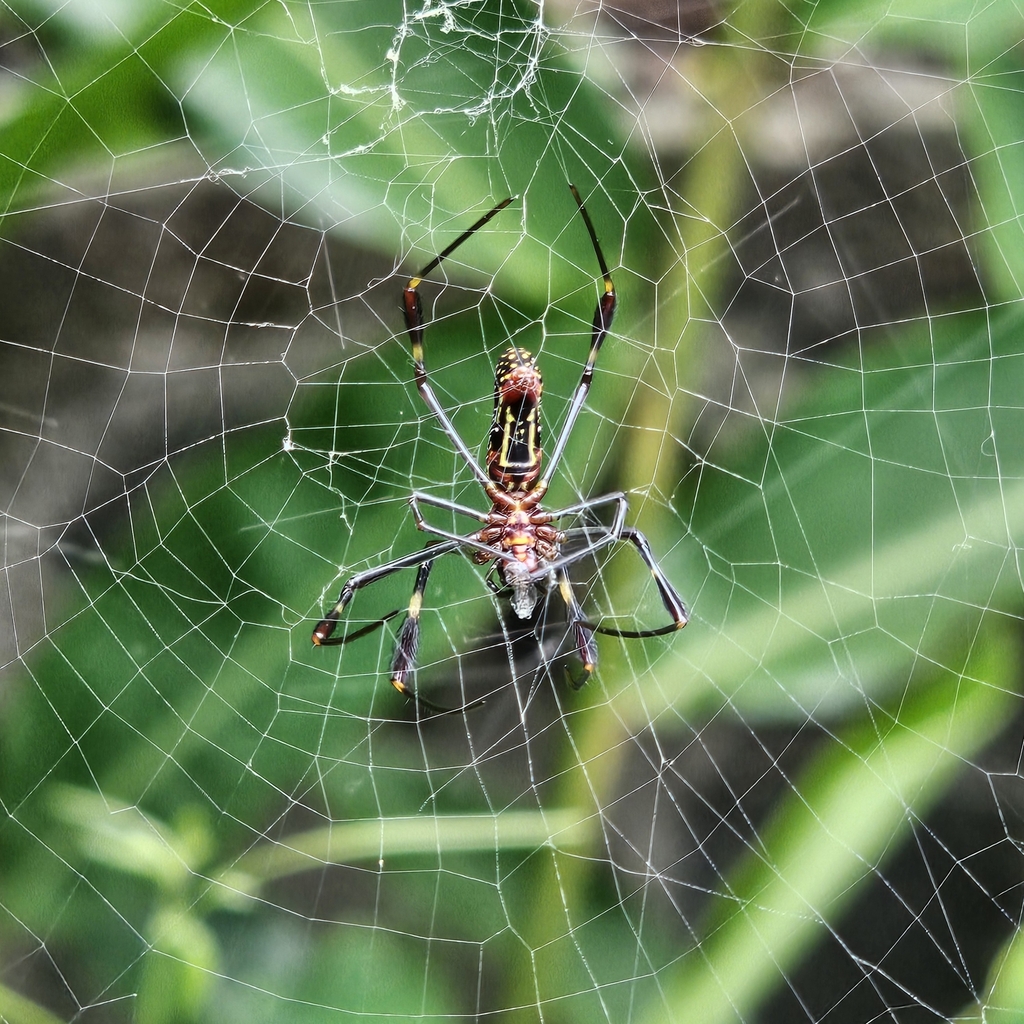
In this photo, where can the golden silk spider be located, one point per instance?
(518, 536)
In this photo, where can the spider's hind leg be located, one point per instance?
(323, 633)
(582, 631)
(403, 663)
(669, 598)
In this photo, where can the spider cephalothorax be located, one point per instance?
(517, 535)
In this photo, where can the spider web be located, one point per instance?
(805, 806)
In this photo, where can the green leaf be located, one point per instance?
(179, 969)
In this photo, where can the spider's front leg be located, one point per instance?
(472, 541)
(412, 307)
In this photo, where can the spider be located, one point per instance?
(518, 536)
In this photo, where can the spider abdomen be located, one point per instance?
(514, 449)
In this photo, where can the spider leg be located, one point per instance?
(494, 588)
(451, 506)
(669, 598)
(606, 534)
(593, 545)
(583, 632)
(404, 661)
(413, 309)
(602, 323)
(589, 503)
(471, 540)
(322, 635)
